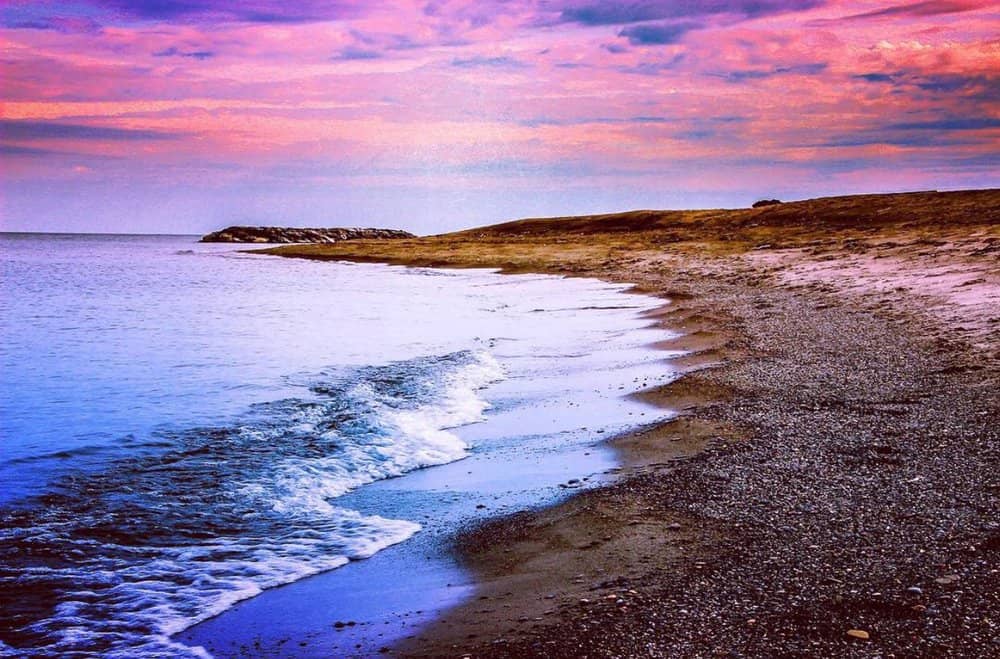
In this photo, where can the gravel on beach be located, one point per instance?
(832, 487)
(857, 517)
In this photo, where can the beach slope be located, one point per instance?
(831, 486)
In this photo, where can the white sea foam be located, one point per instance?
(402, 439)
(152, 600)
(281, 474)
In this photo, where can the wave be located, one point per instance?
(113, 563)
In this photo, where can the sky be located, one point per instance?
(183, 116)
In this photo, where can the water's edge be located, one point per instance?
(365, 608)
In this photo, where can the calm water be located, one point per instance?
(180, 423)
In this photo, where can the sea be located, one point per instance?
(184, 426)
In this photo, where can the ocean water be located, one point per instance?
(183, 426)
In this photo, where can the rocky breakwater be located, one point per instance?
(238, 234)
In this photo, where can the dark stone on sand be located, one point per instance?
(766, 202)
(241, 234)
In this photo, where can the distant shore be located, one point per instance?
(831, 487)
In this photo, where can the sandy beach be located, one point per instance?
(831, 485)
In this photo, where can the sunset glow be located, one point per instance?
(185, 115)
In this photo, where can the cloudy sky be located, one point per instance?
(182, 116)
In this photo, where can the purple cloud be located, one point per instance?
(250, 11)
(69, 25)
(657, 34)
(950, 124)
(501, 62)
(60, 16)
(926, 8)
(22, 130)
(173, 51)
(812, 68)
(16, 150)
(614, 48)
(973, 87)
(353, 53)
(638, 11)
(981, 87)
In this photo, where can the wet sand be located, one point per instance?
(831, 486)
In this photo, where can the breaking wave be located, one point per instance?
(115, 561)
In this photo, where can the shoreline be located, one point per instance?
(530, 565)
(380, 610)
(535, 564)
(854, 510)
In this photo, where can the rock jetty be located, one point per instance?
(238, 234)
